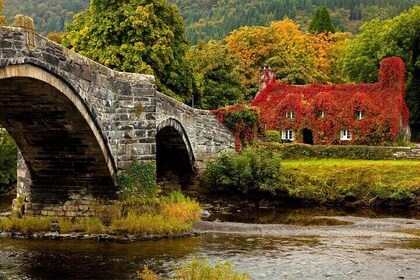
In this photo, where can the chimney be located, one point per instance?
(267, 76)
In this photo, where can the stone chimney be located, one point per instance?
(267, 76)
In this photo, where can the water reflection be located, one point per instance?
(263, 257)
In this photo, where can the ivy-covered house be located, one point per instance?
(372, 114)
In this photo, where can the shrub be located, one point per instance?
(302, 151)
(138, 179)
(273, 135)
(8, 152)
(242, 120)
(250, 171)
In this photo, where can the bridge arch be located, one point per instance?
(174, 151)
(64, 150)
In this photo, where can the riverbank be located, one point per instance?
(349, 176)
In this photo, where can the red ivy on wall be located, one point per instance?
(242, 120)
(384, 112)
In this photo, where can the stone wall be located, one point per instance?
(407, 153)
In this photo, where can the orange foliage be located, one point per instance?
(298, 57)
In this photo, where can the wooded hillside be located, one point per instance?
(49, 15)
(215, 19)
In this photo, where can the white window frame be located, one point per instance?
(290, 115)
(288, 135)
(345, 135)
(360, 115)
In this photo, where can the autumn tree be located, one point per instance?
(220, 82)
(141, 36)
(321, 22)
(399, 36)
(2, 17)
(298, 57)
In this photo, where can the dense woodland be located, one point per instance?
(214, 19)
(49, 15)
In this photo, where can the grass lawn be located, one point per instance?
(342, 179)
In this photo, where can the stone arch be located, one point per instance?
(175, 124)
(60, 141)
(174, 150)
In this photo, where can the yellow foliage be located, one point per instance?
(298, 57)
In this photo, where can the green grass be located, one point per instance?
(334, 180)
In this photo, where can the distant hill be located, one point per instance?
(214, 19)
(49, 15)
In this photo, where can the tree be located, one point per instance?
(298, 57)
(2, 17)
(219, 79)
(321, 23)
(141, 36)
(399, 36)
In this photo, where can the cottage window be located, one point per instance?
(320, 114)
(290, 115)
(345, 135)
(360, 115)
(287, 135)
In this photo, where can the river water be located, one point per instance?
(314, 256)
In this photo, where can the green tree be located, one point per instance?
(220, 82)
(399, 36)
(141, 36)
(8, 152)
(321, 22)
(2, 18)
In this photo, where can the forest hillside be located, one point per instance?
(215, 19)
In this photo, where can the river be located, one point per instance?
(303, 253)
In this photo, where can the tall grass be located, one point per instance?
(25, 225)
(172, 214)
(137, 215)
(199, 270)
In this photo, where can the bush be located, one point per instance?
(138, 179)
(273, 135)
(242, 120)
(250, 171)
(8, 152)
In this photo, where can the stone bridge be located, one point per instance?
(78, 123)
